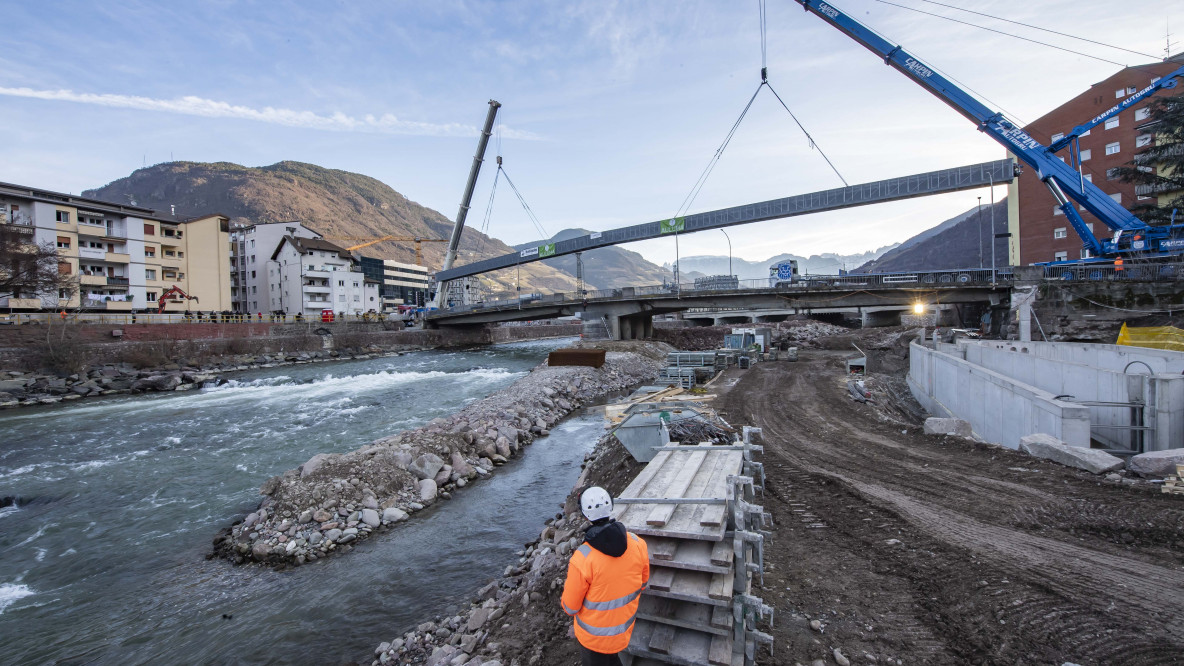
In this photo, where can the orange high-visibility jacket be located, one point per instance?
(602, 593)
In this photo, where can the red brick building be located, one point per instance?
(1040, 231)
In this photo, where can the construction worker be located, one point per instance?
(1118, 265)
(605, 577)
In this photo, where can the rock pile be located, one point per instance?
(805, 331)
(23, 389)
(334, 500)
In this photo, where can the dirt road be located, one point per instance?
(918, 549)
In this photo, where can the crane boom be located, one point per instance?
(1065, 183)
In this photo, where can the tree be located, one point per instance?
(1160, 167)
(30, 270)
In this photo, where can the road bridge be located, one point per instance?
(627, 313)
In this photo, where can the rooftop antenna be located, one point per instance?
(1167, 39)
(173, 210)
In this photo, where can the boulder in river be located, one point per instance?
(427, 490)
(426, 466)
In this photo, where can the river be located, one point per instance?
(102, 559)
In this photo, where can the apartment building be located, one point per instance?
(251, 247)
(399, 283)
(1039, 230)
(125, 256)
(308, 275)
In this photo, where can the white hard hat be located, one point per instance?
(596, 503)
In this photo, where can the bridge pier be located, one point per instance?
(618, 323)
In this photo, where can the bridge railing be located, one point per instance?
(1128, 272)
(918, 279)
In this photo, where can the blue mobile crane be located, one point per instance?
(1067, 184)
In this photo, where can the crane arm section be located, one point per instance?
(1063, 181)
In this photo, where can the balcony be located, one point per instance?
(117, 280)
(92, 253)
(92, 230)
(118, 306)
(94, 279)
(316, 289)
(166, 260)
(117, 257)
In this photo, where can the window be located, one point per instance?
(1060, 256)
(1120, 93)
(341, 298)
(356, 285)
(1142, 140)
(252, 243)
(64, 268)
(341, 283)
(1086, 133)
(252, 258)
(63, 217)
(180, 254)
(1056, 210)
(149, 230)
(1057, 137)
(1130, 90)
(151, 296)
(150, 252)
(252, 274)
(1059, 232)
(1117, 197)
(254, 290)
(1090, 226)
(1086, 154)
(1112, 148)
(149, 274)
(1112, 123)
(62, 294)
(64, 242)
(1085, 253)
(1089, 177)
(1112, 173)
(1143, 113)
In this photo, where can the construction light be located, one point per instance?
(918, 308)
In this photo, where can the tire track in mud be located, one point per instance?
(994, 592)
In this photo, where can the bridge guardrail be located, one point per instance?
(948, 278)
(1129, 271)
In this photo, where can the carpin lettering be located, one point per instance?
(828, 10)
(917, 68)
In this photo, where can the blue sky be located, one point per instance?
(611, 109)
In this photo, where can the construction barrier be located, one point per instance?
(1153, 337)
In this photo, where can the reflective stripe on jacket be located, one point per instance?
(602, 593)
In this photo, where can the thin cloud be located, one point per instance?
(197, 106)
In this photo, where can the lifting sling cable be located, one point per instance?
(698, 186)
(538, 226)
(489, 208)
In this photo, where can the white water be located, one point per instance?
(102, 555)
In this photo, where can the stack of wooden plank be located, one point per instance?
(1175, 484)
(680, 504)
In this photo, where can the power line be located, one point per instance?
(1036, 27)
(1008, 34)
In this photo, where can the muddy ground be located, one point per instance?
(932, 550)
(915, 549)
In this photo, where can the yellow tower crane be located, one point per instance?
(371, 241)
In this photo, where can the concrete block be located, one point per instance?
(1157, 464)
(1048, 447)
(936, 426)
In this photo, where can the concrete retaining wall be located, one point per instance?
(1091, 372)
(999, 408)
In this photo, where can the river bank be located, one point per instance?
(133, 367)
(115, 501)
(333, 501)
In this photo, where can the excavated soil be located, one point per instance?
(934, 550)
(915, 549)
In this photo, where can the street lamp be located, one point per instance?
(980, 233)
(729, 251)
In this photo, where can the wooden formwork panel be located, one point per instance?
(686, 614)
(697, 473)
(699, 586)
(686, 647)
(694, 554)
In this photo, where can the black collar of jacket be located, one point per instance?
(608, 537)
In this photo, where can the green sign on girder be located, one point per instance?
(547, 250)
(674, 225)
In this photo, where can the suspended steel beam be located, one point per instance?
(893, 189)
